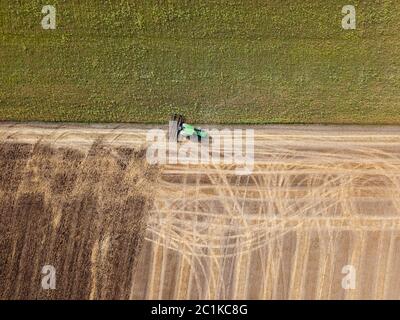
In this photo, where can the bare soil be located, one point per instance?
(83, 212)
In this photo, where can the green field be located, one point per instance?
(214, 61)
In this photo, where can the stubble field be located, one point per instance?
(319, 199)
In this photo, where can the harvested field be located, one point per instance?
(315, 203)
(319, 199)
(82, 212)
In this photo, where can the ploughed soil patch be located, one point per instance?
(83, 213)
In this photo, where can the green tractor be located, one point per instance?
(178, 128)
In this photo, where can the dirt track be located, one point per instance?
(319, 198)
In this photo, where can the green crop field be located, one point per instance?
(214, 61)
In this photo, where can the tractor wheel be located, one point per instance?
(180, 121)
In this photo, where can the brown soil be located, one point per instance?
(83, 212)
